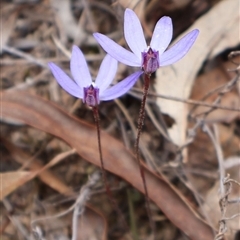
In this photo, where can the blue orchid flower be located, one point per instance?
(151, 57)
(83, 87)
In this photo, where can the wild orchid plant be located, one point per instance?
(92, 93)
(148, 58)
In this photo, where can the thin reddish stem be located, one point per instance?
(109, 192)
(140, 126)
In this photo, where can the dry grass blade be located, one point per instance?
(44, 115)
(10, 181)
(80, 203)
(36, 166)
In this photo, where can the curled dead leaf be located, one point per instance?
(48, 117)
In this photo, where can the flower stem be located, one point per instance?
(140, 126)
(108, 191)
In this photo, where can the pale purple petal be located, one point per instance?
(120, 88)
(179, 50)
(79, 68)
(106, 73)
(133, 33)
(162, 35)
(116, 51)
(65, 81)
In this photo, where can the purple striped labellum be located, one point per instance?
(150, 61)
(91, 95)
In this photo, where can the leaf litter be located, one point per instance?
(175, 188)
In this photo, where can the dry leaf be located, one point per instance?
(48, 117)
(10, 181)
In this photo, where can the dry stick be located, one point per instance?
(206, 96)
(26, 56)
(225, 189)
(15, 221)
(227, 88)
(155, 121)
(38, 233)
(81, 202)
(109, 192)
(188, 101)
(140, 125)
(223, 202)
(224, 89)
